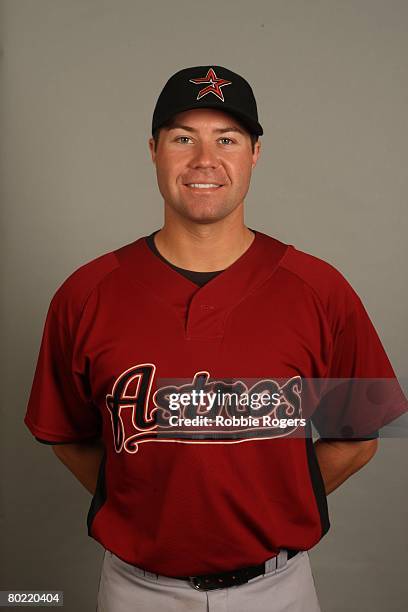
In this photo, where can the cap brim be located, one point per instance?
(254, 127)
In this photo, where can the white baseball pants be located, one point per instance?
(126, 588)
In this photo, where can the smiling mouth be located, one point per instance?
(204, 186)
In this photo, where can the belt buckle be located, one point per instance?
(210, 582)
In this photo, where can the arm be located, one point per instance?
(83, 460)
(338, 459)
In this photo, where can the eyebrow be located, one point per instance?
(187, 128)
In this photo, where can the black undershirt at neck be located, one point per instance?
(199, 278)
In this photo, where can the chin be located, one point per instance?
(203, 213)
(205, 216)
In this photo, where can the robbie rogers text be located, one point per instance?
(220, 421)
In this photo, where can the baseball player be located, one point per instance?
(197, 504)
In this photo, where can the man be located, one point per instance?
(198, 506)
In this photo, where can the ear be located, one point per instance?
(152, 151)
(256, 153)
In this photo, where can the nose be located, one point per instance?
(204, 156)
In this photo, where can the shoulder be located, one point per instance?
(72, 294)
(328, 283)
(313, 270)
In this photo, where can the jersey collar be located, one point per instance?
(202, 311)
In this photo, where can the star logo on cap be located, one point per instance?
(213, 83)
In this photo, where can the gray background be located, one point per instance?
(78, 85)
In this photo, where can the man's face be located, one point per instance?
(204, 146)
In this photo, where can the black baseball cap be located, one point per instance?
(208, 87)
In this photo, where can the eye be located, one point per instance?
(225, 138)
(181, 137)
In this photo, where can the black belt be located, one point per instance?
(209, 582)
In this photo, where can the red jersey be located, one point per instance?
(124, 321)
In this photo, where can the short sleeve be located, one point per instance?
(362, 394)
(60, 407)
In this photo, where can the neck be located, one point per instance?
(203, 247)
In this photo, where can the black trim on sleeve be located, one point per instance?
(373, 436)
(54, 443)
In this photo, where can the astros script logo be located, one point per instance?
(200, 410)
(213, 83)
